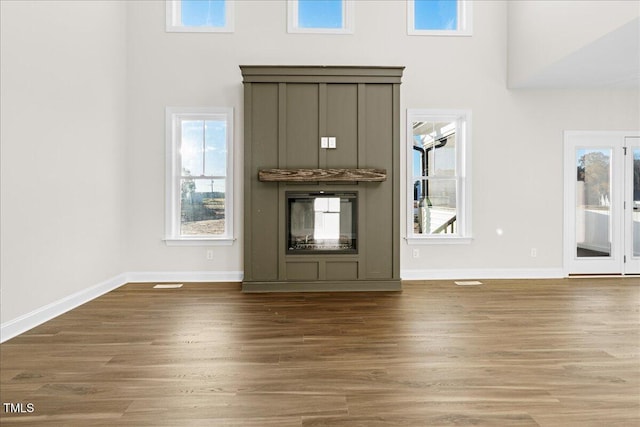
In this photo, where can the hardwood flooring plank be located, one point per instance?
(507, 353)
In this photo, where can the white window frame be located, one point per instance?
(174, 19)
(173, 175)
(463, 175)
(465, 21)
(348, 21)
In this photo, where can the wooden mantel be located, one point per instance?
(322, 175)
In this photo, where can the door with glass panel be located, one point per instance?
(632, 205)
(599, 201)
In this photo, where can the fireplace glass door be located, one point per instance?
(321, 222)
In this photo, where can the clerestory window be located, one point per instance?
(200, 16)
(320, 16)
(439, 17)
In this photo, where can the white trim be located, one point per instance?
(173, 20)
(482, 273)
(439, 240)
(184, 276)
(21, 324)
(45, 313)
(463, 174)
(348, 20)
(199, 242)
(172, 169)
(613, 140)
(465, 21)
(632, 264)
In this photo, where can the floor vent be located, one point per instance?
(468, 283)
(168, 286)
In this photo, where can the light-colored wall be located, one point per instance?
(543, 32)
(518, 176)
(517, 136)
(84, 90)
(63, 138)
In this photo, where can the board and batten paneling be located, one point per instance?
(378, 208)
(299, 147)
(342, 123)
(261, 214)
(287, 111)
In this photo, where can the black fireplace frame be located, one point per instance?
(347, 245)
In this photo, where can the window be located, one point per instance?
(439, 17)
(438, 166)
(199, 175)
(200, 16)
(320, 16)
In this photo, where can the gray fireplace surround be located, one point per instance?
(322, 178)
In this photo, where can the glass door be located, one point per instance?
(594, 241)
(593, 193)
(632, 205)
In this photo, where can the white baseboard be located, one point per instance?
(481, 273)
(185, 276)
(37, 317)
(43, 314)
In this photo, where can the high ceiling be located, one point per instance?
(612, 61)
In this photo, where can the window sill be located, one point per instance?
(202, 29)
(319, 31)
(438, 240)
(445, 33)
(205, 241)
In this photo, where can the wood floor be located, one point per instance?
(506, 353)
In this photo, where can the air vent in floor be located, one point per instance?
(468, 283)
(167, 286)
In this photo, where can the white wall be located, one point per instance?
(544, 32)
(85, 85)
(63, 138)
(517, 136)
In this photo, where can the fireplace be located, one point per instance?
(321, 178)
(322, 222)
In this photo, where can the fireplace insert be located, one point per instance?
(322, 222)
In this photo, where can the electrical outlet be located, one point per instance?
(534, 252)
(416, 253)
(209, 254)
